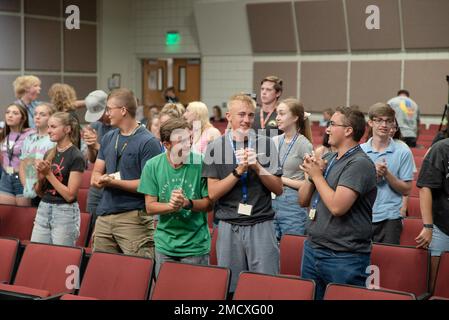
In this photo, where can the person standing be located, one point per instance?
(394, 168)
(175, 190)
(59, 179)
(27, 90)
(341, 190)
(123, 226)
(242, 170)
(433, 182)
(292, 146)
(407, 115)
(265, 116)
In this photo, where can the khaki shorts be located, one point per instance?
(129, 232)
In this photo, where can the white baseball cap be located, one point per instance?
(95, 105)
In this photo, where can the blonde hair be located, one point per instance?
(22, 83)
(62, 96)
(51, 108)
(297, 110)
(66, 119)
(201, 111)
(242, 97)
(173, 110)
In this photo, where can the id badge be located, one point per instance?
(245, 209)
(116, 175)
(9, 170)
(312, 214)
(273, 196)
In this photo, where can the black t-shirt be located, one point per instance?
(434, 174)
(271, 127)
(64, 162)
(219, 162)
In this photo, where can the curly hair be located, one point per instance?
(63, 97)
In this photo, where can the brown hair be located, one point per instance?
(62, 96)
(170, 125)
(126, 99)
(297, 110)
(381, 109)
(66, 119)
(276, 80)
(173, 110)
(23, 123)
(354, 119)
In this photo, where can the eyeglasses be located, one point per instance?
(333, 124)
(108, 109)
(388, 122)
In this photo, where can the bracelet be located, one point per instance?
(189, 206)
(428, 226)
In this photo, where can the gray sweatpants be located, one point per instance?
(247, 248)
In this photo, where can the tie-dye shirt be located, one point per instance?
(34, 147)
(14, 141)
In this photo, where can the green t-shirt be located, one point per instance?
(183, 233)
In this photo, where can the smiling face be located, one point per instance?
(382, 126)
(241, 116)
(285, 118)
(56, 130)
(337, 130)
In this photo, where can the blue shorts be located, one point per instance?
(10, 185)
(440, 242)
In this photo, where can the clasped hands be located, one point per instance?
(42, 167)
(246, 159)
(313, 166)
(177, 200)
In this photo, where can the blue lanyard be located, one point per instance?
(289, 148)
(244, 177)
(328, 169)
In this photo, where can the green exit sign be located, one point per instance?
(172, 38)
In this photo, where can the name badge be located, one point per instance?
(273, 196)
(312, 214)
(245, 209)
(116, 175)
(9, 170)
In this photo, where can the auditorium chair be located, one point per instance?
(411, 228)
(43, 272)
(441, 291)
(402, 268)
(110, 276)
(336, 291)
(291, 248)
(9, 249)
(183, 281)
(258, 286)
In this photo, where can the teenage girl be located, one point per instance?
(60, 173)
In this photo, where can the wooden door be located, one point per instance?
(186, 79)
(154, 82)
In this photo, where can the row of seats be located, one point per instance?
(119, 277)
(401, 268)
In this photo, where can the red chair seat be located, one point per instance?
(73, 297)
(25, 290)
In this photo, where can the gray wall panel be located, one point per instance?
(287, 71)
(9, 43)
(323, 85)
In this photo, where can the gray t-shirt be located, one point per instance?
(219, 162)
(351, 232)
(295, 157)
(407, 115)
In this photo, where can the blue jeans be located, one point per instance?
(325, 266)
(290, 217)
(57, 224)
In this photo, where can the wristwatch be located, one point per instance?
(236, 174)
(189, 206)
(428, 226)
